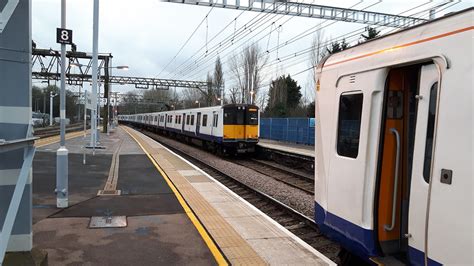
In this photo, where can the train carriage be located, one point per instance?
(394, 145)
(231, 128)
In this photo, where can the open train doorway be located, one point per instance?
(405, 150)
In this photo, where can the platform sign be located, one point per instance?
(63, 36)
(88, 101)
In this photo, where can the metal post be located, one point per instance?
(62, 152)
(105, 126)
(51, 97)
(79, 107)
(95, 59)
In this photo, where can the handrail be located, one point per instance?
(9, 145)
(395, 185)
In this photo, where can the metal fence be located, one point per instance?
(295, 130)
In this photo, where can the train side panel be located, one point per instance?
(417, 82)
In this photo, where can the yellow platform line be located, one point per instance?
(53, 139)
(205, 236)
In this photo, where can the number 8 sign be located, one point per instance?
(63, 36)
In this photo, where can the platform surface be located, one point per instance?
(299, 149)
(158, 230)
(175, 213)
(235, 225)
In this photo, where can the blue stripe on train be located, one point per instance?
(417, 257)
(357, 239)
(354, 238)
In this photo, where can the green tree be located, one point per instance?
(41, 101)
(371, 34)
(284, 97)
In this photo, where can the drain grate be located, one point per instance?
(109, 192)
(108, 222)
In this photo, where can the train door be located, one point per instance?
(184, 119)
(198, 122)
(422, 158)
(397, 161)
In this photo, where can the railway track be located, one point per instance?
(291, 178)
(302, 226)
(53, 131)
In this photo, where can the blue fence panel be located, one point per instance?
(295, 130)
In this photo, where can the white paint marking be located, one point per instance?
(7, 13)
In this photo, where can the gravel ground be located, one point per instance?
(290, 196)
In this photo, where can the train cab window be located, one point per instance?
(204, 120)
(192, 120)
(187, 120)
(430, 132)
(350, 113)
(252, 116)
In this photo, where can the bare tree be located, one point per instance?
(234, 95)
(246, 68)
(318, 51)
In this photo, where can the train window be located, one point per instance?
(204, 120)
(252, 117)
(192, 120)
(187, 120)
(350, 112)
(430, 132)
(176, 119)
(216, 119)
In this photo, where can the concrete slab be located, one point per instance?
(116, 138)
(138, 175)
(132, 205)
(159, 232)
(147, 240)
(284, 251)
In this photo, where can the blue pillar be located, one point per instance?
(15, 114)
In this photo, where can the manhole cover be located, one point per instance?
(108, 222)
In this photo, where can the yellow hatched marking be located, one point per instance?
(205, 236)
(53, 139)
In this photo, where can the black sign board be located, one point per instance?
(63, 36)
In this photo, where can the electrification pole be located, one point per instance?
(51, 99)
(95, 59)
(62, 152)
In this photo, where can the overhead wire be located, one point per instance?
(229, 41)
(228, 60)
(187, 41)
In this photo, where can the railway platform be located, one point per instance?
(292, 148)
(136, 202)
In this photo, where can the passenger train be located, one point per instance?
(394, 145)
(231, 128)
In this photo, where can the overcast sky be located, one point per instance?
(146, 34)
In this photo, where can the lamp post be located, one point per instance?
(198, 103)
(51, 98)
